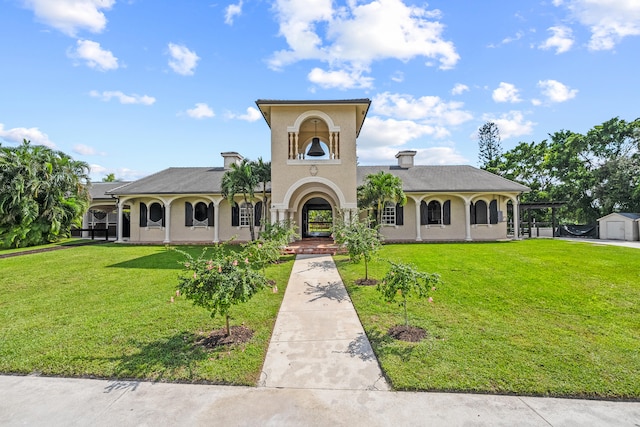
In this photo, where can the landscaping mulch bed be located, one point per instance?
(219, 337)
(407, 333)
(366, 282)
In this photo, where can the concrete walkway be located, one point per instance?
(318, 341)
(319, 371)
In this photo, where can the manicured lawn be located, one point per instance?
(542, 317)
(105, 311)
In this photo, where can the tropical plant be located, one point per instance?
(378, 189)
(262, 170)
(42, 193)
(219, 280)
(403, 280)
(241, 179)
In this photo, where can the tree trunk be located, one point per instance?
(228, 328)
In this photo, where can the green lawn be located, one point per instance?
(542, 317)
(105, 311)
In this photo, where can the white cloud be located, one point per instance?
(97, 172)
(340, 79)
(424, 156)
(561, 39)
(183, 61)
(608, 20)
(459, 89)
(351, 37)
(35, 135)
(123, 98)
(426, 109)
(380, 132)
(398, 77)
(506, 92)
(94, 56)
(510, 124)
(69, 16)
(231, 12)
(201, 111)
(251, 115)
(84, 150)
(556, 91)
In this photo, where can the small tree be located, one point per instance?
(361, 241)
(403, 280)
(220, 280)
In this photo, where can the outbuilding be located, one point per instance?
(619, 226)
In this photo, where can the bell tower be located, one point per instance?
(313, 154)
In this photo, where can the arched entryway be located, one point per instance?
(317, 218)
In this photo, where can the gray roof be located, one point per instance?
(629, 215)
(444, 179)
(207, 180)
(188, 180)
(101, 190)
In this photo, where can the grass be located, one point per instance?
(536, 317)
(105, 311)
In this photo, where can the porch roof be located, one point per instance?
(185, 180)
(439, 178)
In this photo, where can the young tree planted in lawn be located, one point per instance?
(361, 241)
(219, 280)
(403, 280)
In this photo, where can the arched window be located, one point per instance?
(152, 216)
(480, 211)
(434, 212)
(200, 213)
(156, 214)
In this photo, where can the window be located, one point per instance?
(153, 216)
(434, 212)
(479, 212)
(493, 212)
(245, 214)
(156, 215)
(389, 214)
(240, 214)
(200, 216)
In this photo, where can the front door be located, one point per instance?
(317, 218)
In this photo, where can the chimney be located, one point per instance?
(231, 157)
(405, 158)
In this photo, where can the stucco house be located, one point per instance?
(619, 226)
(314, 169)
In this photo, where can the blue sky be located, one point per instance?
(133, 87)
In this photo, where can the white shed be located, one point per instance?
(619, 226)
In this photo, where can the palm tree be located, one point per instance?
(43, 193)
(379, 189)
(241, 179)
(262, 170)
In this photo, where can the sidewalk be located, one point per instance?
(319, 371)
(318, 341)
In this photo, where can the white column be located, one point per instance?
(216, 222)
(119, 221)
(418, 227)
(295, 145)
(167, 222)
(516, 219)
(467, 216)
(85, 223)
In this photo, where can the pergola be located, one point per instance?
(541, 205)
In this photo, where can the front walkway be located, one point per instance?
(318, 341)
